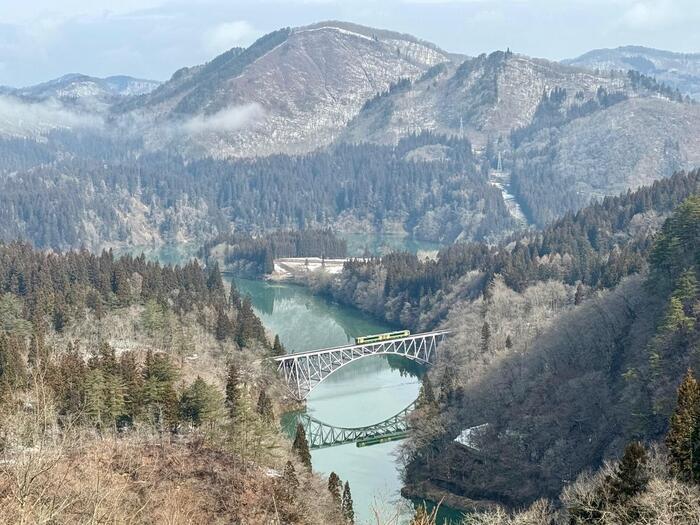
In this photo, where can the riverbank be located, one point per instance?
(426, 490)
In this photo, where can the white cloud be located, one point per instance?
(19, 118)
(652, 14)
(230, 34)
(227, 120)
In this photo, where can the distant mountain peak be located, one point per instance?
(76, 86)
(679, 70)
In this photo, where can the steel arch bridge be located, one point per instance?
(323, 435)
(304, 371)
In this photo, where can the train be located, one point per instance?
(377, 338)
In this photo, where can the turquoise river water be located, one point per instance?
(364, 392)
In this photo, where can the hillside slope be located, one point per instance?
(489, 95)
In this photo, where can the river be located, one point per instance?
(364, 392)
(361, 393)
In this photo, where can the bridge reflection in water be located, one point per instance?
(323, 435)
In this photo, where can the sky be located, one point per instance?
(44, 39)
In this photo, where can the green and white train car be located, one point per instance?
(378, 338)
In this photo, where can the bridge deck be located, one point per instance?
(293, 355)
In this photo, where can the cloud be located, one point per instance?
(227, 120)
(230, 34)
(18, 117)
(651, 14)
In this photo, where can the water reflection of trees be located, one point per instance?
(406, 367)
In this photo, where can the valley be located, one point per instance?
(527, 227)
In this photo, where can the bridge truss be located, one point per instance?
(304, 371)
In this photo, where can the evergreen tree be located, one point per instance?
(159, 396)
(335, 487)
(120, 285)
(347, 505)
(250, 437)
(153, 317)
(695, 451)
(215, 283)
(234, 298)
(301, 446)
(448, 386)
(224, 326)
(675, 318)
(630, 477)
(95, 397)
(200, 403)
(233, 386)
(277, 347)
(290, 482)
(485, 337)
(38, 355)
(133, 386)
(426, 396)
(509, 342)
(579, 295)
(679, 439)
(265, 409)
(13, 372)
(249, 326)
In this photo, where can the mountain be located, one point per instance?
(489, 95)
(291, 91)
(565, 135)
(562, 135)
(679, 70)
(73, 102)
(75, 86)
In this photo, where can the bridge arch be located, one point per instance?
(304, 371)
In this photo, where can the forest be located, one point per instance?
(558, 379)
(595, 248)
(109, 197)
(124, 384)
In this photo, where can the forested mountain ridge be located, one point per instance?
(159, 198)
(679, 70)
(72, 87)
(595, 247)
(566, 135)
(560, 376)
